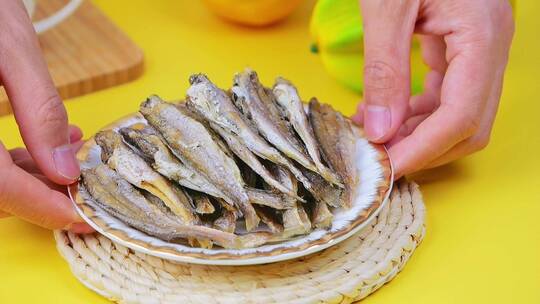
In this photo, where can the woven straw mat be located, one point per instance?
(343, 273)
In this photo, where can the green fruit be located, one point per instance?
(336, 27)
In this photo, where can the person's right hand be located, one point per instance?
(30, 180)
(465, 44)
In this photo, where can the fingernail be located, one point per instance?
(65, 162)
(377, 121)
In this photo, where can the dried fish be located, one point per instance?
(118, 197)
(106, 186)
(255, 239)
(199, 118)
(165, 163)
(292, 108)
(270, 218)
(202, 203)
(226, 221)
(149, 144)
(321, 217)
(217, 108)
(295, 219)
(224, 205)
(257, 105)
(156, 201)
(250, 177)
(338, 143)
(270, 199)
(322, 191)
(253, 162)
(256, 98)
(190, 139)
(238, 168)
(134, 169)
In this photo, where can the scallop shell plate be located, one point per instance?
(373, 189)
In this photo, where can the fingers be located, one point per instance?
(407, 128)
(23, 195)
(479, 140)
(19, 154)
(74, 227)
(429, 100)
(43, 179)
(434, 52)
(38, 109)
(22, 158)
(358, 117)
(474, 66)
(388, 29)
(432, 138)
(75, 133)
(455, 153)
(81, 228)
(76, 146)
(457, 118)
(473, 144)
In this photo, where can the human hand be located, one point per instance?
(466, 45)
(30, 180)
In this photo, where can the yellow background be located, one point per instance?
(483, 220)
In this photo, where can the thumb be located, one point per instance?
(388, 30)
(38, 109)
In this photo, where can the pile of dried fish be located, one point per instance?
(235, 168)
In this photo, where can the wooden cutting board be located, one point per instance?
(85, 53)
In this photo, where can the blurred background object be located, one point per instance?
(253, 12)
(53, 19)
(84, 50)
(336, 28)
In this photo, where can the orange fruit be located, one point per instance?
(252, 12)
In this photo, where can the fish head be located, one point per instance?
(198, 78)
(139, 139)
(240, 93)
(247, 89)
(285, 94)
(105, 173)
(108, 140)
(240, 99)
(243, 79)
(314, 105)
(246, 77)
(152, 104)
(87, 172)
(203, 96)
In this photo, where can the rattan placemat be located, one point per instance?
(341, 274)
